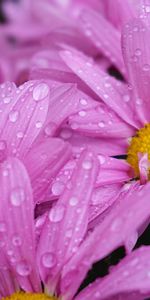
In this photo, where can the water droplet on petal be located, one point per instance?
(146, 67)
(16, 240)
(23, 268)
(48, 260)
(101, 124)
(50, 128)
(40, 91)
(66, 133)
(83, 102)
(82, 113)
(17, 196)
(87, 165)
(138, 52)
(2, 227)
(20, 134)
(57, 188)
(6, 100)
(102, 159)
(13, 116)
(57, 213)
(73, 201)
(38, 124)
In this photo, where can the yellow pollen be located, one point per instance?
(28, 296)
(140, 143)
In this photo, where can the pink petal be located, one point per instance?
(136, 56)
(60, 237)
(100, 121)
(102, 198)
(113, 171)
(104, 146)
(43, 163)
(103, 85)
(65, 101)
(90, 22)
(16, 219)
(128, 280)
(24, 120)
(129, 214)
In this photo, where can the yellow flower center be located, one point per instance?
(28, 296)
(139, 144)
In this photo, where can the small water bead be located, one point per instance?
(83, 102)
(48, 260)
(50, 128)
(57, 188)
(40, 91)
(66, 133)
(73, 201)
(13, 116)
(82, 113)
(7, 100)
(20, 134)
(38, 124)
(138, 52)
(101, 124)
(57, 213)
(23, 268)
(17, 196)
(146, 67)
(16, 240)
(87, 165)
(126, 98)
(2, 227)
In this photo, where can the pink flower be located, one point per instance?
(55, 249)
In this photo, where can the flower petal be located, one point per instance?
(89, 23)
(17, 227)
(103, 85)
(67, 221)
(128, 213)
(43, 163)
(26, 118)
(128, 280)
(136, 55)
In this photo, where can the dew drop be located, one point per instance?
(66, 133)
(57, 188)
(126, 98)
(16, 240)
(17, 196)
(2, 227)
(87, 165)
(6, 100)
(38, 124)
(23, 268)
(48, 260)
(13, 116)
(138, 52)
(57, 213)
(101, 124)
(146, 67)
(73, 201)
(83, 102)
(40, 91)
(82, 113)
(50, 128)
(20, 134)
(102, 159)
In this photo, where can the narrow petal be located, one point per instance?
(143, 167)
(135, 43)
(105, 146)
(60, 238)
(129, 214)
(89, 23)
(102, 84)
(100, 121)
(17, 227)
(128, 280)
(65, 101)
(26, 118)
(43, 163)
